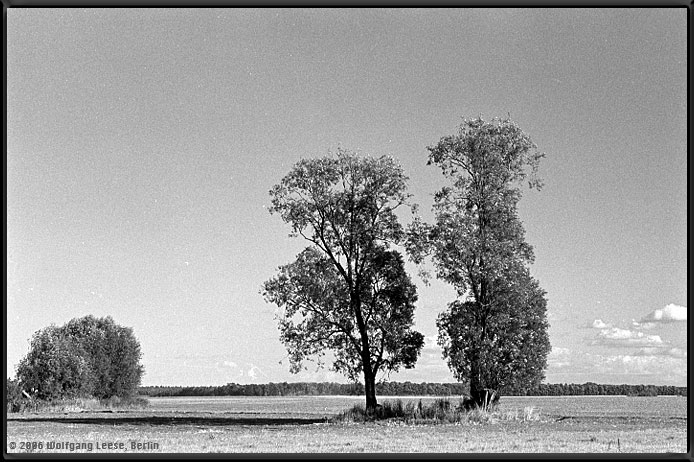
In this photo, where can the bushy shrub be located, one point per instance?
(113, 353)
(439, 410)
(87, 357)
(55, 367)
(16, 401)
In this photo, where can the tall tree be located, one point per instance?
(347, 292)
(495, 334)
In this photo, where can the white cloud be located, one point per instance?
(254, 372)
(671, 313)
(230, 364)
(650, 365)
(662, 351)
(615, 333)
(636, 364)
(599, 324)
(643, 325)
(614, 336)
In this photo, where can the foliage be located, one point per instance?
(403, 389)
(113, 352)
(494, 336)
(318, 316)
(511, 348)
(308, 389)
(343, 204)
(347, 292)
(55, 367)
(86, 357)
(14, 399)
(590, 388)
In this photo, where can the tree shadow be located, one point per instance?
(176, 420)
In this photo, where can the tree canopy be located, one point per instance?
(317, 315)
(344, 205)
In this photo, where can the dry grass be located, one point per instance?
(524, 428)
(504, 436)
(439, 411)
(84, 405)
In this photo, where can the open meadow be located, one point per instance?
(568, 424)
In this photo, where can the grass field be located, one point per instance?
(582, 424)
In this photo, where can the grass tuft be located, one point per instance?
(83, 405)
(440, 411)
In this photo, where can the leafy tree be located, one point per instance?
(495, 334)
(55, 367)
(347, 292)
(86, 357)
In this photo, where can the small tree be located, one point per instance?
(56, 367)
(86, 357)
(347, 292)
(495, 335)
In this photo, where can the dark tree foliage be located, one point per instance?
(317, 315)
(14, 399)
(590, 388)
(507, 346)
(310, 389)
(347, 293)
(86, 357)
(494, 335)
(403, 389)
(56, 367)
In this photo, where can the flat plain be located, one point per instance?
(560, 424)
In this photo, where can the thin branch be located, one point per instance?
(321, 313)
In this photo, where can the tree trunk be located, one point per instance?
(370, 391)
(475, 386)
(480, 395)
(369, 374)
(483, 398)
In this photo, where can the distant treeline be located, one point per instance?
(309, 388)
(404, 389)
(590, 388)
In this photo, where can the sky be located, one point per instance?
(141, 146)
